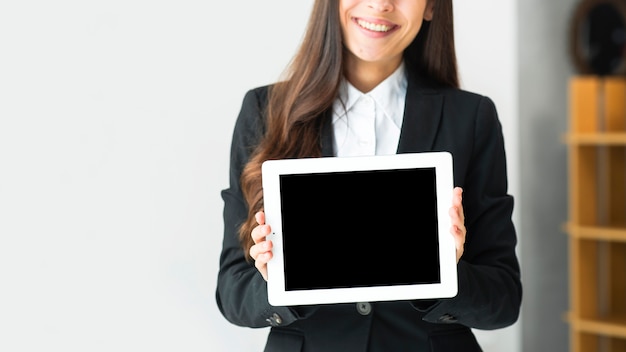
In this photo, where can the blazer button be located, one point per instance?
(364, 308)
(274, 320)
(448, 318)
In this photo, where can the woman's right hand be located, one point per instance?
(261, 251)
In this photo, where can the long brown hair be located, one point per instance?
(296, 105)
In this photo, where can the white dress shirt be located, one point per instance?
(369, 124)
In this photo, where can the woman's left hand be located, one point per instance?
(457, 218)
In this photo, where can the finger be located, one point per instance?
(459, 241)
(260, 249)
(261, 264)
(457, 202)
(262, 259)
(458, 227)
(458, 232)
(457, 196)
(261, 253)
(260, 218)
(260, 232)
(456, 215)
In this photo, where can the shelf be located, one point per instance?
(599, 139)
(596, 233)
(610, 327)
(596, 224)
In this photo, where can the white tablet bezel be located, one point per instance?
(273, 169)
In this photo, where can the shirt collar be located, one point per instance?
(389, 95)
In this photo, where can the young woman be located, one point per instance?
(374, 77)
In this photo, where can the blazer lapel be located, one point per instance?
(326, 139)
(422, 114)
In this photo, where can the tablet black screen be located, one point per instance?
(360, 228)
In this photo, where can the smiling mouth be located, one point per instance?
(376, 27)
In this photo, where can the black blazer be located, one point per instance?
(489, 296)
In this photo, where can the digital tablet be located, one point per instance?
(356, 229)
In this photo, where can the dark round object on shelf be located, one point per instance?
(598, 37)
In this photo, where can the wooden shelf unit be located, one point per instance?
(596, 226)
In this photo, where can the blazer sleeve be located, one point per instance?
(241, 292)
(490, 290)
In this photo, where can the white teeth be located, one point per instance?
(373, 26)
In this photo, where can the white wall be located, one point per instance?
(545, 70)
(115, 124)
